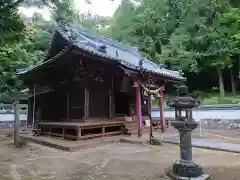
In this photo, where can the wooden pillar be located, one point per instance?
(79, 133)
(16, 122)
(111, 98)
(162, 123)
(86, 99)
(150, 111)
(110, 104)
(34, 106)
(38, 115)
(86, 103)
(63, 133)
(68, 105)
(138, 108)
(30, 112)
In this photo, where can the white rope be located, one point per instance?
(147, 90)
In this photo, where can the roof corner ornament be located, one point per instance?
(140, 63)
(102, 49)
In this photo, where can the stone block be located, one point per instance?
(157, 141)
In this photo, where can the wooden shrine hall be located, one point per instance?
(90, 86)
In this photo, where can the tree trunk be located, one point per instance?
(232, 83)
(220, 81)
(238, 66)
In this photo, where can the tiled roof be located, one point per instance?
(113, 50)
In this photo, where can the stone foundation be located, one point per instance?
(228, 124)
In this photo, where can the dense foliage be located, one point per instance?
(199, 37)
(194, 36)
(24, 41)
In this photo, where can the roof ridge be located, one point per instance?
(107, 40)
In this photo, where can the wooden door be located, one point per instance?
(98, 99)
(77, 101)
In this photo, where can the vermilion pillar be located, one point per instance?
(162, 123)
(138, 108)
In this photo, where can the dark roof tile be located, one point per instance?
(113, 50)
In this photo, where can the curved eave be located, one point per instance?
(86, 51)
(120, 63)
(44, 63)
(152, 73)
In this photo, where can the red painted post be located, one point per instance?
(162, 123)
(138, 108)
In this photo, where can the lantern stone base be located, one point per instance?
(186, 171)
(174, 176)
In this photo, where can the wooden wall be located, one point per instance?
(81, 88)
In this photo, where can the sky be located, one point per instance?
(98, 7)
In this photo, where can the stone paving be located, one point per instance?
(210, 144)
(173, 138)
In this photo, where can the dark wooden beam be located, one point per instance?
(68, 105)
(111, 97)
(30, 112)
(86, 99)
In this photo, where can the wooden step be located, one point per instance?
(132, 128)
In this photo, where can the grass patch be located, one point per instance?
(215, 99)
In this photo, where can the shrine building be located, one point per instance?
(91, 86)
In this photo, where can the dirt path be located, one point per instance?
(109, 162)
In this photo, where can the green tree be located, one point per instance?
(230, 21)
(199, 40)
(14, 56)
(184, 34)
(19, 45)
(64, 12)
(121, 23)
(11, 26)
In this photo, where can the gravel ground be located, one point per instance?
(109, 162)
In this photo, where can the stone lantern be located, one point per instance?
(185, 168)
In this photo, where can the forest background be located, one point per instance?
(199, 37)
